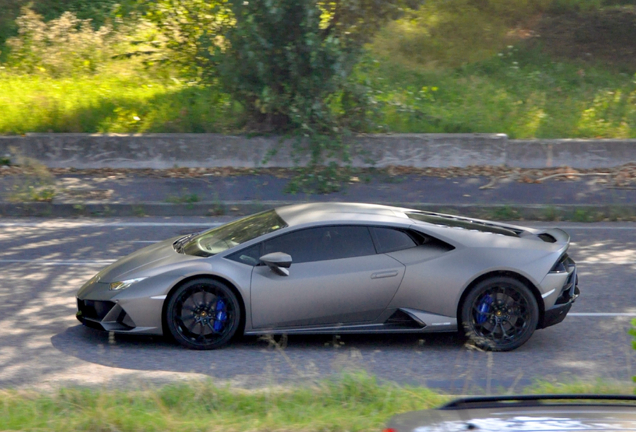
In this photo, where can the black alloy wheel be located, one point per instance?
(500, 314)
(203, 314)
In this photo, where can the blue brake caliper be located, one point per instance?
(220, 315)
(484, 308)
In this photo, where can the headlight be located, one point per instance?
(118, 286)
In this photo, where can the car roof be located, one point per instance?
(300, 214)
(337, 212)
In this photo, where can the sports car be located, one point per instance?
(339, 268)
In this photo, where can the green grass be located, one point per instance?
(581, 387)
(353, 403)
(118, 103)
(520, 92)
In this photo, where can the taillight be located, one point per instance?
(389, 430)
(561, 266)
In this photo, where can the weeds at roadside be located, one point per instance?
(35, 184)
(504, 213)
(79, 209)
(620, 213)
(184, 198)
(581, 215)
(598, 386)
(550, 213)
(218, 208)
(138, 211)
(352, 402)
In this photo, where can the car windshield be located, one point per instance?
(234, 233)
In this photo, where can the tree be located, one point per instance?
(283, 60)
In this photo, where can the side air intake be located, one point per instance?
(401, 319)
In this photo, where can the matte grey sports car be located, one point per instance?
(357, 268)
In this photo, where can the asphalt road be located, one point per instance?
(44, 262)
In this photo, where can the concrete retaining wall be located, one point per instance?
(215, 150)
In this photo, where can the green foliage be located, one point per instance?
(283, 59)
(63, 46)
(189, 199)
(453, 33)
(581, 215)
(185, 198)
(286, 60)
(119, 103)
(99, 12)
(520, 91)
(579, 386)
(459, 32)
(504, 213)
(192, 30)
(355, 402)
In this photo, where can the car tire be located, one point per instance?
(499, 314)
(203, 314)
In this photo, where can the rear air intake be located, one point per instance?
(547, 238)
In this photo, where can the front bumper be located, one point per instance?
(127, 311)
(569, 293)
(103, 315)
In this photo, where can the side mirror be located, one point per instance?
(278, 262)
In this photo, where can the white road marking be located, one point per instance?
(598, 228)
(67, 224)
(58, 262)
(602, 314)
(146, 241)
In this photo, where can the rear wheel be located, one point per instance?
(203, 314)
(500, 314)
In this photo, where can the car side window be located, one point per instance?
(391, 240)
(250, 256)
(323, 243)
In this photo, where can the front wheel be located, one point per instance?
(500, 314)
(203, 314)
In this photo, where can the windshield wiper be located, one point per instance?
(178, 245)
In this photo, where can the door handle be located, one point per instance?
(384, 274)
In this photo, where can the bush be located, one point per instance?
(63, 46)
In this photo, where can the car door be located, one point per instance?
(336, 277)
